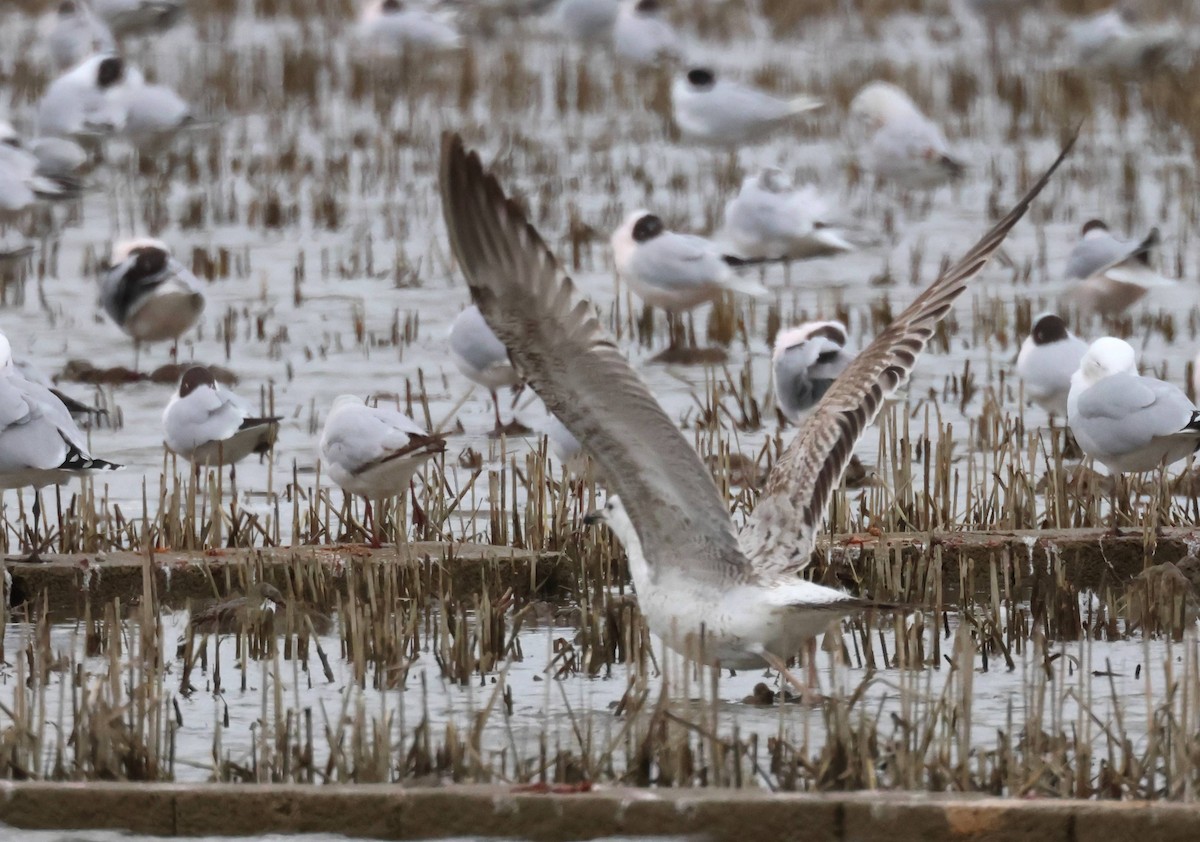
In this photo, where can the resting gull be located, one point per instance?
(708, 592)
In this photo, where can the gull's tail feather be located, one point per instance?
(746, 286)
(801, 104)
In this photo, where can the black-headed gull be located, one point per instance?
(396, 25)
(771, 218)
(1048, 358)
(483, 359)
(1110, 275)
(904, 146)
(148, 293)
(207, 424)
(87, 100)
(374, 451)
(806, 361)
(40, 443)
(139, 17)
(643, 36)
(77, 34)
(710, 593)
(727, 113)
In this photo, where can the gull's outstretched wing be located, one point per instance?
(778, 538)
(560, 349)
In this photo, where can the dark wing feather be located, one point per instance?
(559, 348)
(778, 537)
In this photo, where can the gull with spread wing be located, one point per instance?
(708, 592)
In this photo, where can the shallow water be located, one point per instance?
(293, 327)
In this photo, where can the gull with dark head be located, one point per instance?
(643, 36)
(88, 100)
(148, 293)
(207, 424)
(806, 361)
(393, 26)
(1110, 275)
(721, 112)
(715, 595)
(673, 271)
(1049, 356)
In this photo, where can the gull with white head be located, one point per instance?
(1049, 356)
(715, 595)
(1127, 422)
(374, 451)
(149, 294)
(40, 444)
(721, 112)
(771, 218)
(904, 146)
(1110, 275)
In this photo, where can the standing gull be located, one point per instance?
(904, 145)
(483, 359)
(40, 444)
(373, 451)
(771, 218)
(77, 34)
(1048, 358)
(695, 575)
(674, 271)
(207, 424)
(725, 113)
(149, 294)
(643, 36)
(1110, 275)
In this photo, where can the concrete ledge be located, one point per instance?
(393, 812)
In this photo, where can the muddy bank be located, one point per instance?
(391, 812)
(1087, 557)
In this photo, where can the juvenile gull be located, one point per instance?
(693, 572)
(40, 444)
(207, 424)
(1110, 275)
(1048, 358)
(726, 113)
(373, 451)
(806, 361)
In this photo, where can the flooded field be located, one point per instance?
(307, 203)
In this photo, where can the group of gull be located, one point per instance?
(733, 598)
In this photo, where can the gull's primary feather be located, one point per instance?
(778, 538)
(560, 349)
